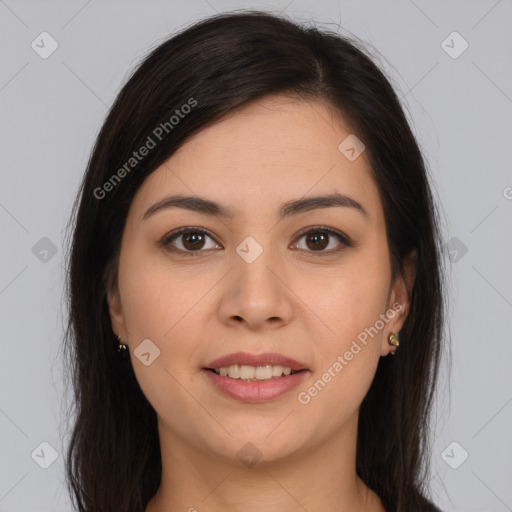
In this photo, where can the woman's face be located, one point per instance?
(257, 282)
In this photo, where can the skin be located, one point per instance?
(292, 300)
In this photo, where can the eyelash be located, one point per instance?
(167, 239)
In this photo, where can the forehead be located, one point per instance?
(285, 128)
(275, 149)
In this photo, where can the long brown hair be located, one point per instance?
(113, 460)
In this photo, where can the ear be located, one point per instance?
(399, 299)
(116, 312)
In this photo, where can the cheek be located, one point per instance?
(348, 359)
(355, 296)
(351, 307)
(156, 296)
(157, 305)
(167, 304)
(148, 305)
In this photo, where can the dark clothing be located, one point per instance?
(432, 508)
(427, 506)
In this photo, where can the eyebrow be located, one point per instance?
(288, 209)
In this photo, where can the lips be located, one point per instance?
(256, 391)
(244, 358)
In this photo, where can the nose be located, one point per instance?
(256, 295)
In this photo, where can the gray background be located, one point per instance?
(460, 108)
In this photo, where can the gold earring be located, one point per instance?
(122, 349)
(392, 340)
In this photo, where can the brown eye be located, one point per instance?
(317, 240)
(320, 238)
(188, 241)
(193, 241)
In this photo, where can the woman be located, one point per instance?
(255, 283)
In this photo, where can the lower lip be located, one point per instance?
(254, 391)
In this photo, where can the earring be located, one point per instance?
(122, 349)
(392, 340)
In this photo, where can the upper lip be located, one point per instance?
(256, 360)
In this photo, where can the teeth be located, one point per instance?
(253, 373)
(246, 372)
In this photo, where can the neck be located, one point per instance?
(319, 477)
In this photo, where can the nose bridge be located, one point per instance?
(255, 291)
(253, 263)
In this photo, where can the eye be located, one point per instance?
(192, 240)
(318, 238)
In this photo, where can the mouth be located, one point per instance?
(260, 366)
